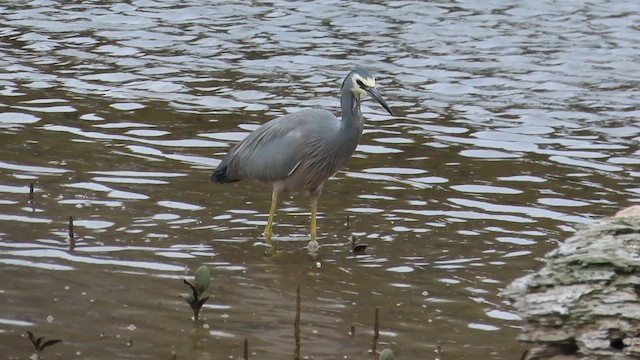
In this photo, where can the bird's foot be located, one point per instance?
(268, 234)
(313, 246)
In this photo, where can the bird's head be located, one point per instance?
(360, 81)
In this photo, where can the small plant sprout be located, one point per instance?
(201, 283)
(38, 343)
(386, 354)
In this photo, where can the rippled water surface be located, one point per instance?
(518, 120)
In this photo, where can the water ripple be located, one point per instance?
(518, 120)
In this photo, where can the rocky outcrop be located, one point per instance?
(585, 301)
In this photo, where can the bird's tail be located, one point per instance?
(219, 175)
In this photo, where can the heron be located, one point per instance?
(300, 151)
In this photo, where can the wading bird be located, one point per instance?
(300, 151)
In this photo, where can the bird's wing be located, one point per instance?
(275, 149)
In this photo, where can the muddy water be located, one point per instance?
(518, 122)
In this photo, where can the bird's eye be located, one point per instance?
(360, 83)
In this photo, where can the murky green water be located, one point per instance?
(518, 121)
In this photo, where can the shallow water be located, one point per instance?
(518, 121)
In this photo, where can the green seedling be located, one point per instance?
(38, 343)
(202, 279)
(200, 284)
(386, 354)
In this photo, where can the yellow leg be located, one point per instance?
(268, 232)
(314, 212)
(313, 244)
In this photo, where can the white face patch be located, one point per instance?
(368, 82)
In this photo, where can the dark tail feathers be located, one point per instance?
(219, 176)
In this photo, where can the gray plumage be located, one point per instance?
(313, 157)
(300, 151)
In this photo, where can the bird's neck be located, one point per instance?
(352, 121)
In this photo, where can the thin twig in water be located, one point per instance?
(438, 352)
(72, 236)
(296, 327)
(33, 208)
(246, 349)
(376, 332)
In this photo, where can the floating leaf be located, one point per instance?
(202, 279)
(386, 354)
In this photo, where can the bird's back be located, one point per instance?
(282, 148)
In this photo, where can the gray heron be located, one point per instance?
(300, 151)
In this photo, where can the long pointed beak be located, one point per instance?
(376, 95)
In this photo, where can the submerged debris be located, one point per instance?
(357, 248)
